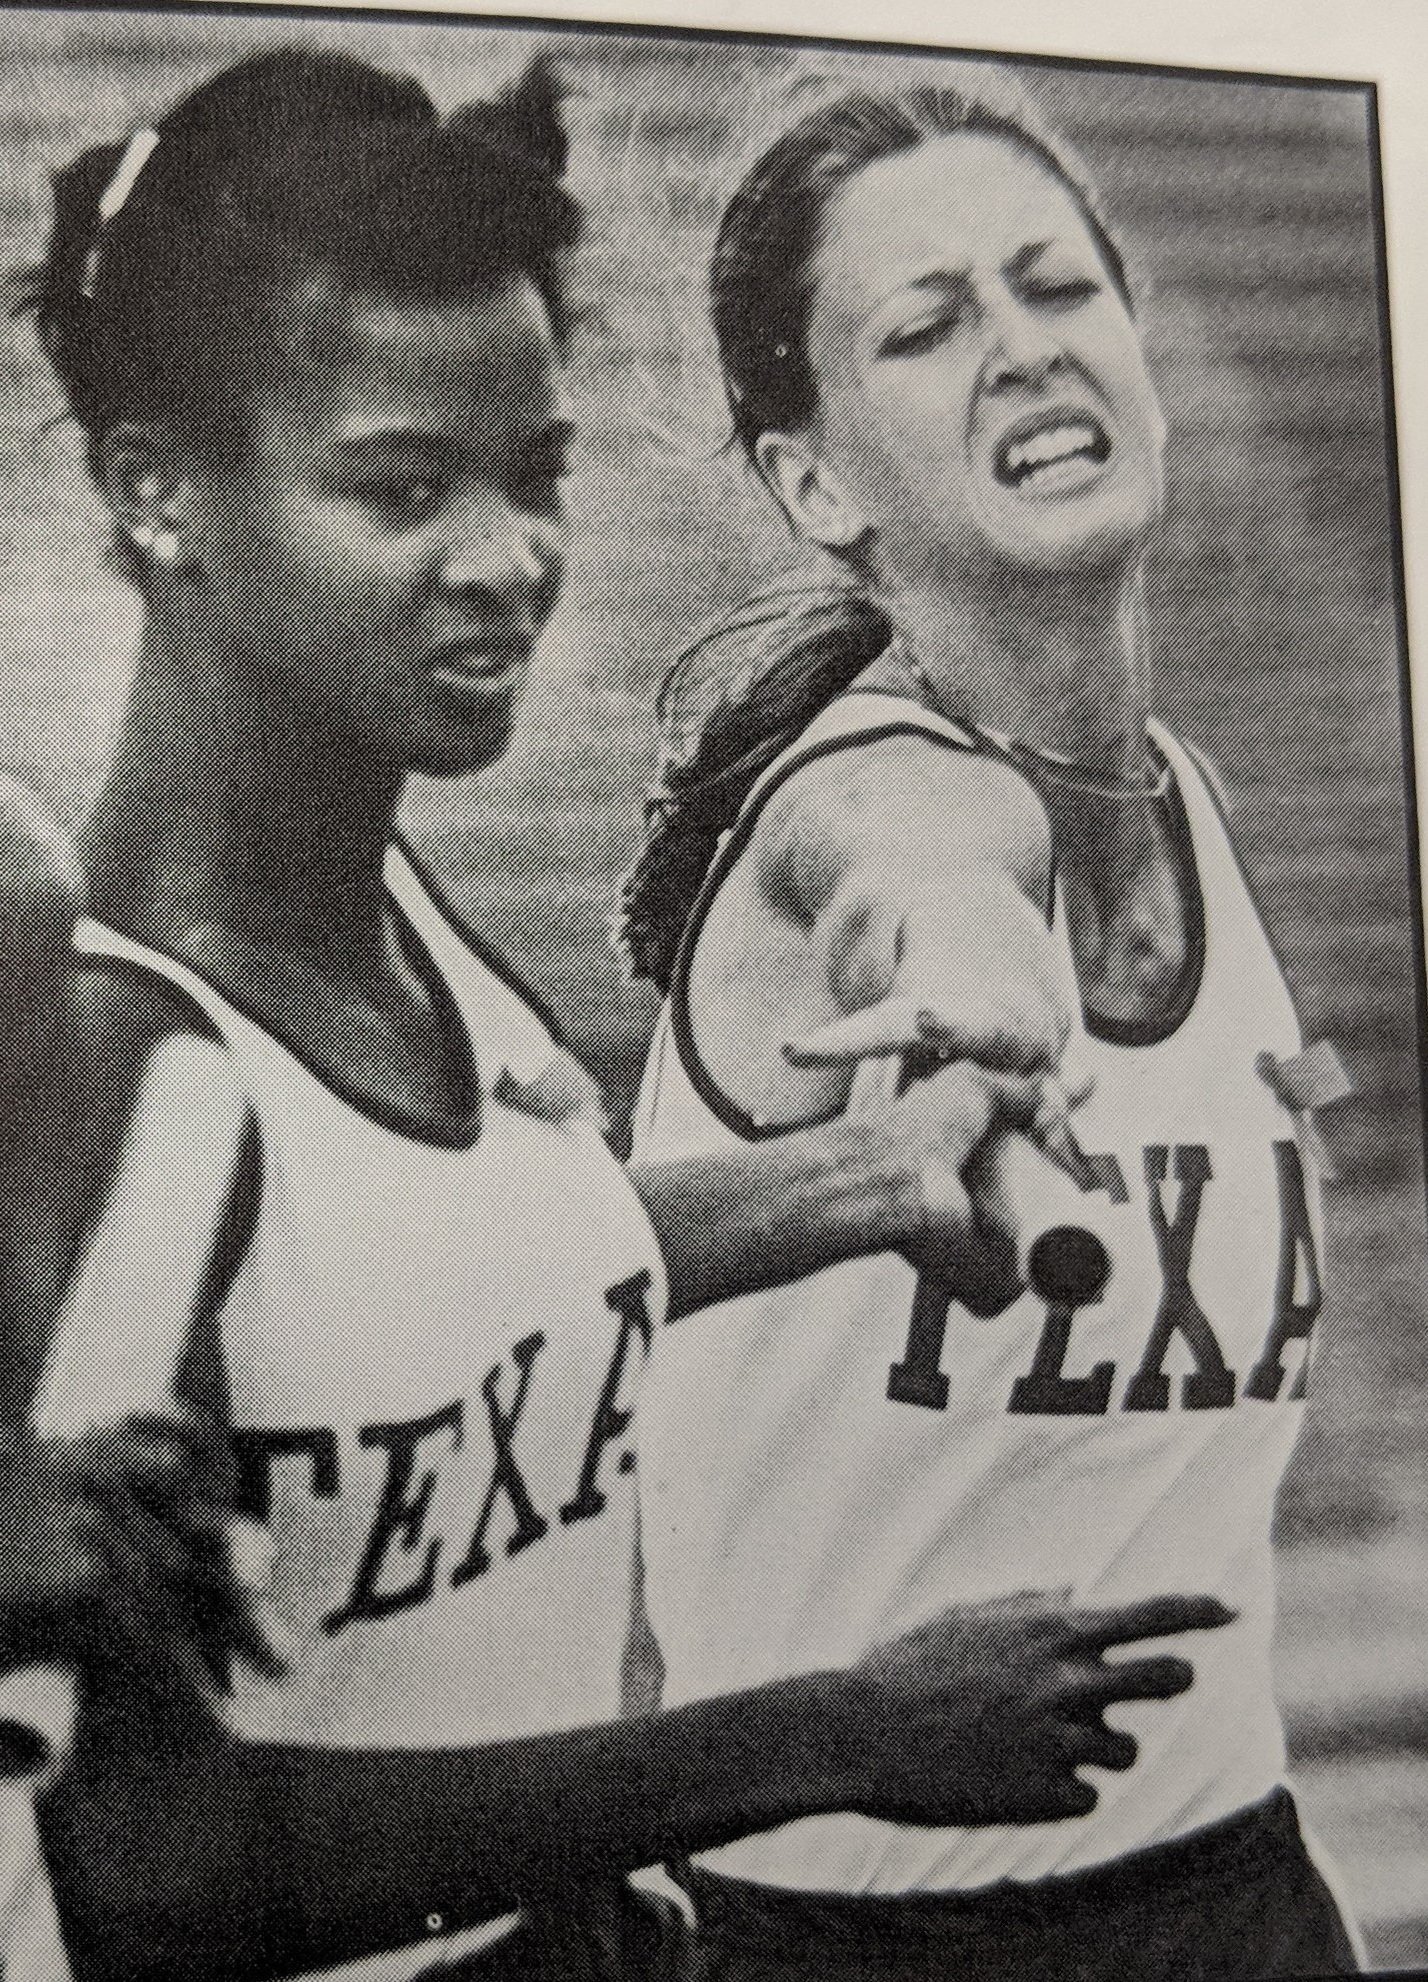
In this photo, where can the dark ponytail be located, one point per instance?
(733, 701)
(289, 165)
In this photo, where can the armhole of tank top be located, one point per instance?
(725, 860)
(484, 952)
(202, 1378)
(1219, 805)
(203, 1374)
(1163, 1025)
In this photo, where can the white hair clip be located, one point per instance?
(136, 156)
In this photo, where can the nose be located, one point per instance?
(511, 561)
(1022, 347)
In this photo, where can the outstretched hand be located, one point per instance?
(985, 1715)
(995, 986)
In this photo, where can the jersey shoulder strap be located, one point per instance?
(513, 1036)
(862, 715)
(412, 879)
(1221, 861)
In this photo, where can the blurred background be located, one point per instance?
(1248, 213)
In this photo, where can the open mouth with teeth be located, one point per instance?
(1031, 455)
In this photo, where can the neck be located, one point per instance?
(1054, 664)
(217, 811)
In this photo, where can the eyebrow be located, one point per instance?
(1022, 260)
(440, 447)
(951, 278)
(397, 440)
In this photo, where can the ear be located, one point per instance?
(819, 507)
(148, 493)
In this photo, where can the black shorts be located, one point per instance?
(1240, 1899)
(611, 1932)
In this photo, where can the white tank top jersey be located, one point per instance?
(429, 1348)
(828, 1465)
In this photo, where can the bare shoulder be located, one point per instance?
(126, 1023)
(119, 1015)
(908, 808)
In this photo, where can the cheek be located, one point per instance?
(551, 549)
(329, 570)
(1136, 387)
(912, 465)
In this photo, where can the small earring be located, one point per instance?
(141, 535)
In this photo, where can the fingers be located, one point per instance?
(965, 1241)
(1071, 1798)
(1152, 1617)
(158, 1625)
(1139, 1679)
(194, 1553)
(894, 1026)
(186, 1623)
(1013, 1099)
(183, 1573)
(1050, 1127)
(157, 1457)
(1000, 1039)
(971, 1100)
(1091, 1744)
(199, 1584)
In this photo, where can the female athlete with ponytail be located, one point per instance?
(313, 334)
(919, 804)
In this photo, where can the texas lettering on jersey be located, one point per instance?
(1052, 1386)
(403, 1560)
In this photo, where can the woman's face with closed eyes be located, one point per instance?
(983, 398)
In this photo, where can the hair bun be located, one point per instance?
(525, 118)
(271, 96)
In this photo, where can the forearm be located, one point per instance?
(243, 1860)
(770, 1212)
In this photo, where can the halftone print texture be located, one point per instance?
(1249, 213)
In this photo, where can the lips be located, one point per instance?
(477, 661)
(1049, 447)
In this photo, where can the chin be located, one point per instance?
(1092, 546)
(461, 756)
(1093, 533)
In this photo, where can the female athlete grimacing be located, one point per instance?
(313, 336)
(916, 801)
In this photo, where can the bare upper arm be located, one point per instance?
(153, 1137)
(117, 1018)
(892, 819)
